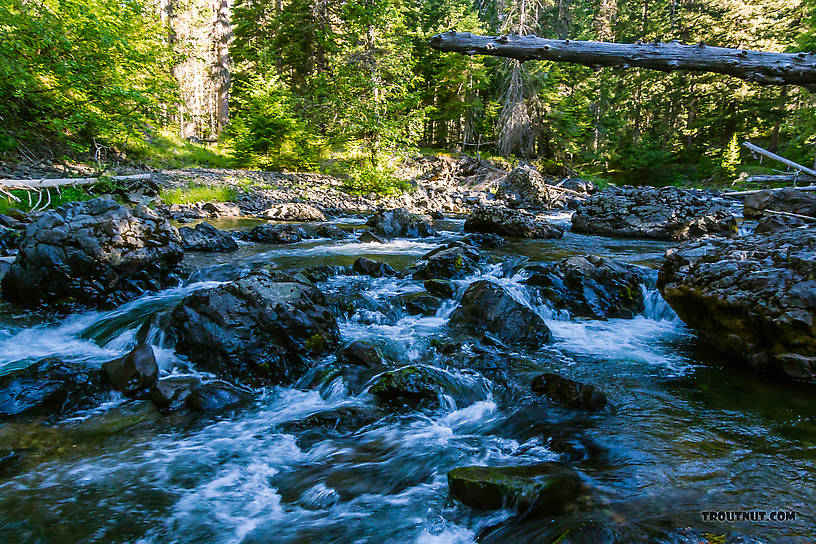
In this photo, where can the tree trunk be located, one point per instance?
(758, 66)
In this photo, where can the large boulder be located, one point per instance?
(753, 297)
(514, 223)
(541, 489)
(205, 237)
(255, 329)
(96, 253)
(293, 211)
(785, 200)
(399, 222)
(665, 213)
(524, 187)
(590, 286)
(490, 308)
(50, 387)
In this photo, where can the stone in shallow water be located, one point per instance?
(205, 237)
(590, 286)
(293, 211)
(134, 372)
(487, 307)
(399, 222)
(276, 234)
(541, 489)
(375, 269)
(368, 237)
(50, 387)
(752, 297)
(440, 288)
(513, 223)
(568, 392)
(665, 213)
(93, 253)
(255, 329)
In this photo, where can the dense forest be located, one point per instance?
(287, 84)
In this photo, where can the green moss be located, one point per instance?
(316, 342)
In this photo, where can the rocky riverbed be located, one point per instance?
(297, 374)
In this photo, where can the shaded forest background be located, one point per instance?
(322, 84)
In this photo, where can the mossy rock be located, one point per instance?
(540, 489)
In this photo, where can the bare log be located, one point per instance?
(778, 178)
(798, 167)
(757, 66)
(754, 191)
(50, 183)
(791, 214)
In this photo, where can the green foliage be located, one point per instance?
(165, 149)
(197, 193)
(267, 133)
(731, 158)
(79, 72)
(364, 177)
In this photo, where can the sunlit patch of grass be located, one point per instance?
(198, 193)
(167, 150)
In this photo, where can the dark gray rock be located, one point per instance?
(215, 396)
(362, 353)
(339, 420)
(10, 240)
(484, 240)
(568, 392)
(411, 385)
(277, 234)
(95, 253)
(171, 393)
(255, 329)
(399, 222)
(375, 269)
(50, 387)
(775, 223)
(665, 213)
(753, 297)
(524, 187)
(133, 373)
(440, 288)
(420, 304)
(579, 185)
(205, 237)
(786, 200)
(489, 307)
(513, 223)
(590, 286)
(369, 237)
(328, 230)
(448, 262)
(542, 489)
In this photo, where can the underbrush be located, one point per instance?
(198, 193)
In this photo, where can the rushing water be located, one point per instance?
(689, 431)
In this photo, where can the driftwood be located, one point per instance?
(757, 66)
(754, 191)
(796, 166)
(778, 178)
(791, 214)
(45, 184)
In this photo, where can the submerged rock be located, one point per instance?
(420, 303)
(343, 419)
(524, 187)
(133, 373)
(411, 385)
(205, 237)
(489, 307)
(399, 222)
(293, 211)
(540, 489)
(50, 387)
(375, 269)
(665, 213)
(753, 297)
(513, 223)
(255, 329)
(568, 392)
(590, 286)
(215, 396)
(95, 253)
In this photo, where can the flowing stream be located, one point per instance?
(689, 431)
